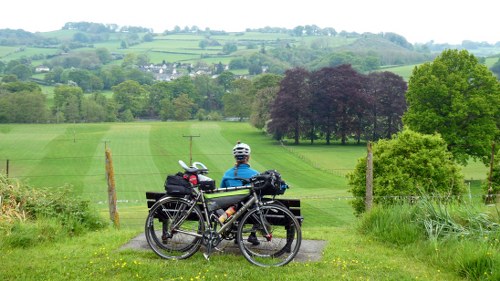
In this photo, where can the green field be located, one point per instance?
(52, 155)
(404, 71)
(144, 153)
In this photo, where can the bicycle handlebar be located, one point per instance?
(196, 168)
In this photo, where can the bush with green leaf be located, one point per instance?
(408, 165)
(29, 216)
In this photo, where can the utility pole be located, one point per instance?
(191, 147)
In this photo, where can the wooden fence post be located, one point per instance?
(369, 178)
(489, 197)
(7, 168)
(110, 177)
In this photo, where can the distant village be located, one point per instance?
(172, 71)
(168, 71)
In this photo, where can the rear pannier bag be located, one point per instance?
(177, 185)
(270, 183)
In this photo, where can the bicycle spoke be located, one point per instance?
(277, 232)
(173, 232)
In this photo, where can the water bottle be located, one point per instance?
(227, 214)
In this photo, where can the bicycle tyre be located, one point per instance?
(184, 240)
(277, 249)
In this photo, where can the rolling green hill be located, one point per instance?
(276, 49)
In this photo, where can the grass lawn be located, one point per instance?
(143, 154)
(97, 256)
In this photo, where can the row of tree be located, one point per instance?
(337, 103)
(201, 97)
(376, 100)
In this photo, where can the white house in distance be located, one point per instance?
(41, 69)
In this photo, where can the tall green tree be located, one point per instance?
(112, 76)
(225, 79)
(67, 103)
(104, 55)
(22, 107)
(496, 68)
(94, 108)
(238, 101)
(209, 91)
(158, 92)
(261, 106)
(130, 97)
(22, 71)
(266, 87)
(237, 104)
(182, 107)
(459, 98)
(185, 85)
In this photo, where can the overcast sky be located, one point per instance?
(443, 21)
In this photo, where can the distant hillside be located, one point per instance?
(269, 49)
(389, 53)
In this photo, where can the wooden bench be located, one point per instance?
(292, 204)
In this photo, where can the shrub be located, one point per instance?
(34, 215)
(408, 165)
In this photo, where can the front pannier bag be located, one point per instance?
(177, 185)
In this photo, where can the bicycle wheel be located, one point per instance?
(172, 231)
(278, 234)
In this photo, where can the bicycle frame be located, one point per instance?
(208, 224)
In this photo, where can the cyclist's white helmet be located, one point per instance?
(240, 150)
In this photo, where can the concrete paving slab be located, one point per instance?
(310, 250)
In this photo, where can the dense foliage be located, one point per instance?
(408, 165)
(337, 103)
(22, 103)
(459, 98)
(30, 216)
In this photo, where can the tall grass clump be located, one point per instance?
(462, 237)
(393, 224)
(30, 216)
